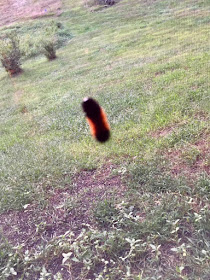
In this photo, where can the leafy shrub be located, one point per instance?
(105, 2)
(100, 2)
(32, 46)
(49, 50)
(48, 45)
(10, 54)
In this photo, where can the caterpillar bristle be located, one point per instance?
(96, 119)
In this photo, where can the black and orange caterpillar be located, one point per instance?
(96, 119)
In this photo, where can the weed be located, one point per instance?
(105, 213)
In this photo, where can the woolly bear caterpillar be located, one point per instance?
(96, 119)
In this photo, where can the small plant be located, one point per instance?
(10, 54)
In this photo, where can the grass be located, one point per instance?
(146, 62)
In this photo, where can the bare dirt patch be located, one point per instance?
(192, 159)
(17, 10)
(166, 131)
(66, 209)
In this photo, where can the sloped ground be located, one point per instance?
(16, 10)
(148, 67)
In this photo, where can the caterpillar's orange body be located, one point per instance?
(96, 119)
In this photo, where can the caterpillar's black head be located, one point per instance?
(91, 108)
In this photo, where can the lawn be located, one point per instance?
(136, 207)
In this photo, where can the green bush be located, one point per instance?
(10, 54)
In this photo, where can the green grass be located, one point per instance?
(147, 63)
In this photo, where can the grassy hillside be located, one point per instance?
(136, 207)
